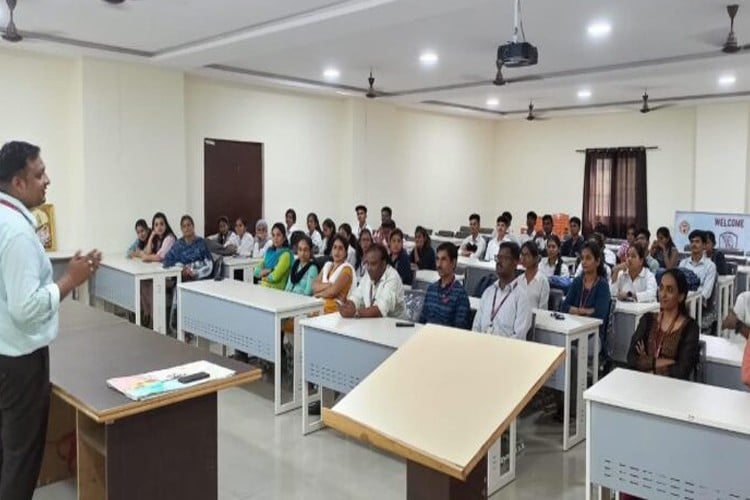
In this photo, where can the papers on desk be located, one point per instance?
(156, 383)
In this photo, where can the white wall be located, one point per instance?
(537, 168)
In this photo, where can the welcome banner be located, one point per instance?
(732, 230)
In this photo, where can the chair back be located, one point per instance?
(218, 271)
(413, 304)
(556, 297)
(445, 233)
(699, 373)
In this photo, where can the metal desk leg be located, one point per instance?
(247, 275)
(495, 480)
(566, 393)
(588, 451)
(137, 285)
(160, 304)
(577, 392)
(307, 399)
(297, 369)
(180, 332)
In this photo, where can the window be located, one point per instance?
(614, 190)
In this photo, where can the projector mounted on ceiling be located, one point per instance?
(515, 54)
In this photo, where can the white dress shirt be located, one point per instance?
(387, 294)
(705, 269)
(291, 230)
(259, 251)
(29, 299)
(493, 248)
(512, 313)
(643, 287)
(537, 290)
(479, 241)
(317, 241)
(548, 269)
(243, 245)
(356, 229)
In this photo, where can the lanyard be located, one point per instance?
(445, 296)
(585, 294)
(13, 207)
(663, 335)
(494, 299)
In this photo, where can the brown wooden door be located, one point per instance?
(233, 182)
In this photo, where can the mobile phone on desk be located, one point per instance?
(404, 324)
(558, 315)
(193, 377)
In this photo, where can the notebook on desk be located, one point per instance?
(156, 383)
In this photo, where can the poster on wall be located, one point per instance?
(731, 230)
(45, 226)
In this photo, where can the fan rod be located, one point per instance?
(625, 147)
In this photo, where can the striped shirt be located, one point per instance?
(447, 305)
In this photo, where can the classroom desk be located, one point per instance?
(118, 281)
(724, 361)
(627, 317)
(571, 263)
(474, 270)
(394, 408)
(163, 448)
(246, 265)
(569, 332)
(724, 301)
(658, 437)
(59, 260)
(436, 241)
(246, 318)
(338, 353)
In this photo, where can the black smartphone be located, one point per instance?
(404, 324)
(193, 377)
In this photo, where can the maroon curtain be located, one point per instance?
(614, 190)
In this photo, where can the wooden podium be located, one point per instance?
(441, 401)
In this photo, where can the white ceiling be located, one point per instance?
(670, 47)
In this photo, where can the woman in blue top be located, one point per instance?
(399, 257)
(589, 294)
(142, 233)
(192, 252)
(303, 271)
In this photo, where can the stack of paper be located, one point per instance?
(157, 383)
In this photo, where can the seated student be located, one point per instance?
(642, 238)
(504, 308)
(632, 281)
(664, 250)
(241, 242)
(501, 236)
(589, 293)
(262, 241)
(142, 232)
(530, 234)
(738, 318)
(509, 230)
(192, 252)
(541, 237)
(715, 255)
(290, 218)
(532, 281)
(399, 259)
(552, 264)
(573, 245)
(701, 265)
(277, 262)
(315, 234)
(361, 211)
(336, 278)
(365, 242)
(345, 230)
(329, 230)
(473, 245)
(667, 342)
(160, 241)
(380, 293)
(608, 256)
(225, 233)
(379, 236)
(423, 256)
(446, 301)
(304, 272)
(622, 252)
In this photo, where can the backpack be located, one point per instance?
(560, 283)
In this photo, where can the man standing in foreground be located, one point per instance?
(29, 303)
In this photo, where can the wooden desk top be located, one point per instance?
(445, 396)
(82, 359)
(682, 400)
(636, 308)
(74, 315)
(258, 297)
(725, 351)
(376, 330)
(136, 266)
(571, 324)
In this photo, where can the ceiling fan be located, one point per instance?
(531, 116)
(371, 92)
(645, 108)
(731, 46)
(11, 34)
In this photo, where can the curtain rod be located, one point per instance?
(626, 147)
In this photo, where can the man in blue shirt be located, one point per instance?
(29, 302)
(446, 302)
